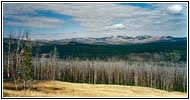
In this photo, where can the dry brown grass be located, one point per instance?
(65, 89)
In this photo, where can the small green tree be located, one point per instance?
(26, 69)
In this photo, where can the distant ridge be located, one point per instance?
(119, 40)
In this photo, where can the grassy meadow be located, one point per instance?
(66, 89)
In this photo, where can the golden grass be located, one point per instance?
(66, 89)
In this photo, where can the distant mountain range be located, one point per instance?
(113, 40)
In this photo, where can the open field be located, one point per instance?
(65, 89)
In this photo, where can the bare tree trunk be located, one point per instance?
(95, 76)
(24, 85)
(55, 63)
(9, 51)
(41, 69)
(17, 58)
(8, 63)
(15, 83)
(37, 64)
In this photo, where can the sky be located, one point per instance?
(76, 20)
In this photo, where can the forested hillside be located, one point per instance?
(156, 51)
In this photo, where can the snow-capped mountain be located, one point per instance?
(121, 39)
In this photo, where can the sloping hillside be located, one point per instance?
(164, 51)
(65, 89)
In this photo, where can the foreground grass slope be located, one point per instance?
(65, 89)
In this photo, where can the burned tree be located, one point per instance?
(10, 36)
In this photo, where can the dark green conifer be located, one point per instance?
(26, 69)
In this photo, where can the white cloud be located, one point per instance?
(36, 22)
(115, 26)
(98, 19)
(175, 9)
(20, 13)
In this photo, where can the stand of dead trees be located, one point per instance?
(18, 66)
(163, 75)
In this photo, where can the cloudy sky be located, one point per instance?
(72, 20)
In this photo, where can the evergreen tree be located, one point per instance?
(26, 69)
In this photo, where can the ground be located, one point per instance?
(66, 89)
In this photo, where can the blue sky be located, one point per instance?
(72, 20)
(143, 5)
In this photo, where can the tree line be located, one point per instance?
(19, 65)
